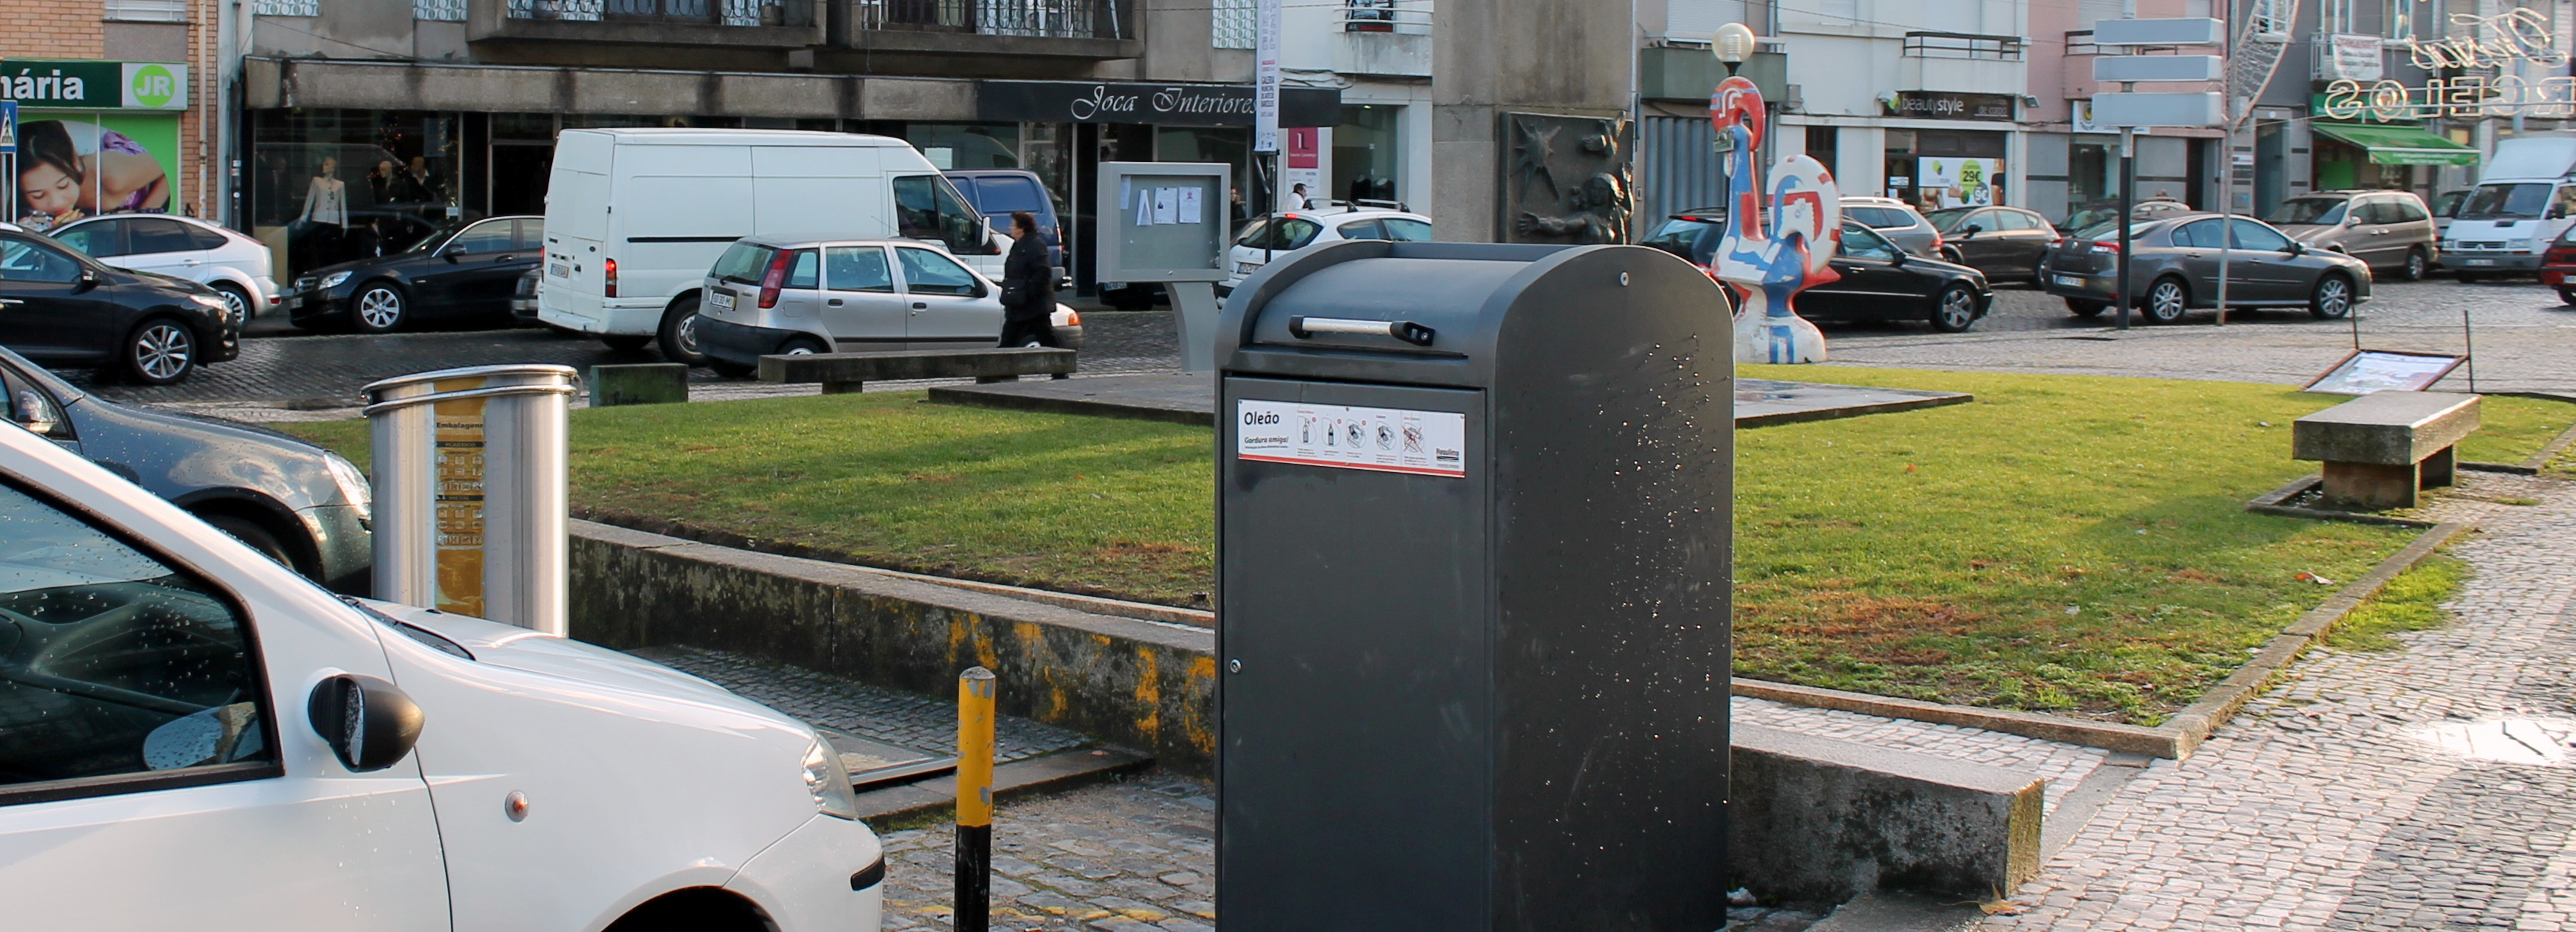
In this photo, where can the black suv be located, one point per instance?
(61, 307)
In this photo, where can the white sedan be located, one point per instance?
(1269, 237)
(192, 736)
(235, 265)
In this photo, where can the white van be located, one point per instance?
(2525, 198)
(636, 217)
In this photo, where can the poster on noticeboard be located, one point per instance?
(71, 165)
(1959, 182)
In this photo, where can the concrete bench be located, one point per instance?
(1821, 819)
(844, 373)
(2380, 449)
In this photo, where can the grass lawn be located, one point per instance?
(2065, 544)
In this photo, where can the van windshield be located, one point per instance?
(2516, 201)
(743, 262)
(927, 207)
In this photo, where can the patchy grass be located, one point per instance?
(2067, 544)
(2515, 428)
(1062, 501)
(2411, 602)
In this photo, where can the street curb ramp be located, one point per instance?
(1139, 684)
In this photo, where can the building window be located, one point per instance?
(2401, 19)
(2337, 17)
(1367, 150)
(1236, 25)
(286, 8)
(2272, 18)
(1824, 144)
(444, 11)
(148, 11)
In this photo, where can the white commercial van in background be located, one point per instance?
(2525, 198)
(636, 217)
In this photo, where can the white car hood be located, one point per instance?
(2495, 229)
(521, 649)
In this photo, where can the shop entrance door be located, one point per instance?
(519, 173)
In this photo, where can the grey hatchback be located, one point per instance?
(2174, 268)
(2388, 229)
(303, 506)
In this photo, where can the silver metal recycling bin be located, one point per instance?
(1474, 540)
(471, 506)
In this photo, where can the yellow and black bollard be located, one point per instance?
(974, 799)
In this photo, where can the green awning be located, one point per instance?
(2397, 145)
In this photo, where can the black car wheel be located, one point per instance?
(236, 302)
(249, 532)
(2567, 295)
(628, 343)
(679, 332)
(1955, 310)
(2468, 278)
(379, 307)
(2166, 301)
(160, 351)
(1953, 256)
(802, 346)
(2039, 269)
(2416, 265)
(2332, 299)
(2083, 308)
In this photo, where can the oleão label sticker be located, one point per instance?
(1429, 443)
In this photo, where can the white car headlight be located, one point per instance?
(353, 484)
(829, 783)
(334, 279)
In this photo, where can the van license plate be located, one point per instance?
(559, 270)
(2481, 262)
(721, 300)
(2070, 281)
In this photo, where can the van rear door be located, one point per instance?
(576, 226)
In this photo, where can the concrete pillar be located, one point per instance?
(1564, 57)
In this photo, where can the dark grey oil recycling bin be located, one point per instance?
(1473, 522)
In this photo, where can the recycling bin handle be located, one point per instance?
(1305, 328)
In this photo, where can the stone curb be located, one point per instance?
(2549, 451)
(1059, 771)
(2181, 734)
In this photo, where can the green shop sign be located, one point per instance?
(94, 85)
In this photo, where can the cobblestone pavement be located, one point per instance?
(325, 372)
(2433, 787)
(2525, 339)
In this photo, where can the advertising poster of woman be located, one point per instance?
(72, 167)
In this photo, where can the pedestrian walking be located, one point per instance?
(1028, 286)
(1296, 197)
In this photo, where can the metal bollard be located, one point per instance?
(975, 689)
(471, 506)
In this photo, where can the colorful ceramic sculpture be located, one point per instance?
(1767, 264)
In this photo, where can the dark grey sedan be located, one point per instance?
(302, 505)
(2174, 268)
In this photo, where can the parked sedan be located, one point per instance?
(303, 506)
(2387, 229)
(792, 297)
(234, 265)
(1268, 237)
(2174, 268)
(2002, 242)
(465, 270)
(1879, 282)
(61, 307)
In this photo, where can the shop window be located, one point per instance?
(1192, 144)
(75, 165)
(1824, 144)
(329, 186)
(1367, 150)
(147, 11)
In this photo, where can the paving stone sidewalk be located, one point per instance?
(2432, 787)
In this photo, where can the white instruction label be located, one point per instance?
(1430, 443)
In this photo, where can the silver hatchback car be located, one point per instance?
(1901, 224)
(789, 297)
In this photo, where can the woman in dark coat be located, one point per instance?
(1028, 286)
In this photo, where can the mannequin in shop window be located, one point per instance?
(326, 214)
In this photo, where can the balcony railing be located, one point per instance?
(688, 12)
(1963, 45)
(1404, 16)
(1051, 19)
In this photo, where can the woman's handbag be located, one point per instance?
(1015, 291)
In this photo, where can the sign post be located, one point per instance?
(2129, 110)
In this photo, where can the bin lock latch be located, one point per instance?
(1305, 328)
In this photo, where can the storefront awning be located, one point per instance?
(2397, 145)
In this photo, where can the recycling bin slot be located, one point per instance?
(1494, 560)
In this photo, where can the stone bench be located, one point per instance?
(844, 373)
(1821, 819)
(2380, 449)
